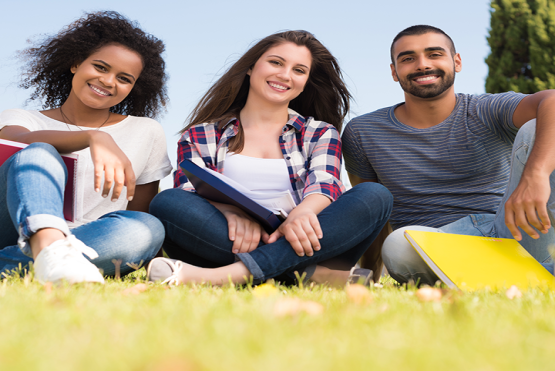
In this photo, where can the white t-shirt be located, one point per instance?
(265, 175)
(141, 139)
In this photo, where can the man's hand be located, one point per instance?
(527, 206)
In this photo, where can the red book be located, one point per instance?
(8, 148)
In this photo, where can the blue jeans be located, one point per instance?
(31, 198)
(404, 264)
(197, 233)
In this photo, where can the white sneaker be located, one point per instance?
(64, 260)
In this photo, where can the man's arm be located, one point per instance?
(527, 205)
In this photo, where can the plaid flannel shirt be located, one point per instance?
(311, 149)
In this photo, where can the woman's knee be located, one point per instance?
(151, 226)
(40, 155)
(130, 236)
(374, 196)
(178, 207)
(41, 150)
(168, 200)
(140, 231)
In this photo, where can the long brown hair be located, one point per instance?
(325, 96)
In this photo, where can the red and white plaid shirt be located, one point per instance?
(311, 149)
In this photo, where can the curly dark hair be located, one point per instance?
(47, 63)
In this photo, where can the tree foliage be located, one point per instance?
(522, 42)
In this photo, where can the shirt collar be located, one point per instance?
(295, 120)
(232, 121)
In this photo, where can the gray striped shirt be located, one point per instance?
(439, 174)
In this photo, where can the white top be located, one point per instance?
(258, 174)
(140, 138)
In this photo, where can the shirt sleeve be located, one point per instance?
(356, 161)
(18, 117)
(198, 144)
(496, 112)
(324, 163)
(185, 151)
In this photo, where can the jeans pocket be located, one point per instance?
(472, 225)
(521, 153)
(484, 223)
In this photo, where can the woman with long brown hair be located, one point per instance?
(257, 126)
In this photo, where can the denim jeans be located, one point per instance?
(404, 264)
(31, 198)
(197, 233)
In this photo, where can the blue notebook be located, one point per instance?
(215, 189)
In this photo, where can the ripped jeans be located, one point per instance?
(31, 198)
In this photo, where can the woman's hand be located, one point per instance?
(302, 228)
(110, 161)
(243, 230)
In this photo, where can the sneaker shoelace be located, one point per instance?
(74, 246)
(173, 280)
(78, 245)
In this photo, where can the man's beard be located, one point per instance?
(430, 90)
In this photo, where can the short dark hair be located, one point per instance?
(420, 29)
(47, 63)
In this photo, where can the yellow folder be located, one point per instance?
(472, 263)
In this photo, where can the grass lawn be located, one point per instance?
(122, 326)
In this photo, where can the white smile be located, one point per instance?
(280, 87)
(98, 91)
(426, 78)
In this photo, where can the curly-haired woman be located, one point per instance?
(98, 78)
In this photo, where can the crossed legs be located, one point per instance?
(196, 233)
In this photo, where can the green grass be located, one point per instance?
(94, 327)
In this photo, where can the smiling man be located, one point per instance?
(451, 160)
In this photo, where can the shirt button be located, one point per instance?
(288, 158)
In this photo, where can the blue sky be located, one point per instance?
(202, 38)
